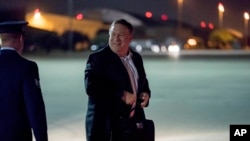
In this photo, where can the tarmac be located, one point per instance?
(66, 123)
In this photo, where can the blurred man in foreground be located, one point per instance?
(22, 109)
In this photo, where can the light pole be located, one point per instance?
(220, 10)
(70, 34)
(180, 5)
(246, 17)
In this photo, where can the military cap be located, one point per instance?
(12, 26)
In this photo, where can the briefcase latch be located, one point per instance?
(139, 125)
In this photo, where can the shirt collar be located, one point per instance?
(7, 48)
(129, 56)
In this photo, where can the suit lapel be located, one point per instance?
(116, 61)
(118, 65)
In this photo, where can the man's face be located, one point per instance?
(119, 38)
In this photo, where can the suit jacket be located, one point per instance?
(105, 80)
(21, 103)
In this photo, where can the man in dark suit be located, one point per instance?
(22, 109)
(117, 88)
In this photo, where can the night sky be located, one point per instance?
(194, 11)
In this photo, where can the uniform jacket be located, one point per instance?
(21, 103)
(105, 80)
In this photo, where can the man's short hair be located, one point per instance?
(125, 23)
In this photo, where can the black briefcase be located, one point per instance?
(146, 130)
(143, 130)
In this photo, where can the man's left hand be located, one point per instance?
(145, 98)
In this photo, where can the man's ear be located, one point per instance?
(21, 38)
(21, 44)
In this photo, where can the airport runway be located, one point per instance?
(193, 99)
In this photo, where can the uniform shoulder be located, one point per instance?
(28, 62)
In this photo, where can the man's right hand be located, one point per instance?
(129, 98)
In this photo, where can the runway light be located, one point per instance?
(211, 26)
(163, 48)
(138, 48)
(79, 16)
(38, 20)
(164, 17)
(246, 16)
(173, 48)
(192, 42)
(221, 7)
(203, 24)
(37, 13)
(155, 48)
(148, 14)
